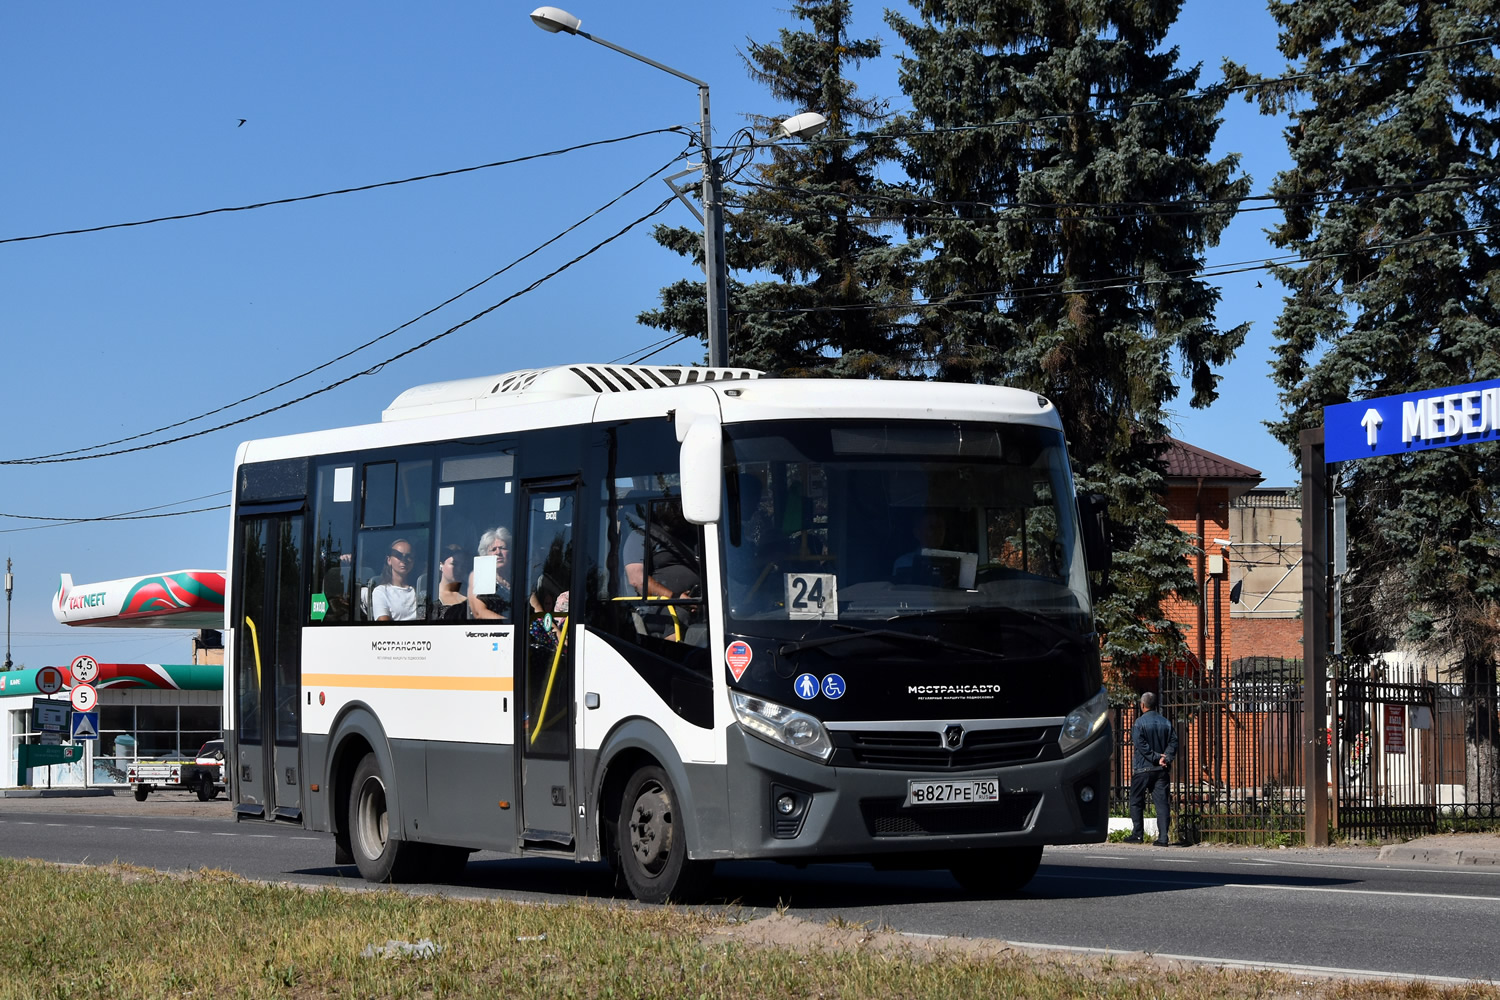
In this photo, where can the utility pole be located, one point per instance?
(10, 582)
(1315, 727)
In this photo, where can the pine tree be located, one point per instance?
(836, 306)
(1061, 250)
(1392, 202)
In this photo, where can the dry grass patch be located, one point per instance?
(120, 931)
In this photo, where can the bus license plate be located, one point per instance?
(921, 792)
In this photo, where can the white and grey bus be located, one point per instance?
(667, 616)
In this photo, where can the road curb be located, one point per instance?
(1435, 856)
(55, 793)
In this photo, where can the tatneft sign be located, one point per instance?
(1415, 421)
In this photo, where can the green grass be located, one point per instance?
(128, 932)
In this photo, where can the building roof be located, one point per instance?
(1186, 461)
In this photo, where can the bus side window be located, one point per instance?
(333, 554)
(476, 511)
(646, 582)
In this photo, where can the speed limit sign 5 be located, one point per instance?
(84, 697)
(85, 670)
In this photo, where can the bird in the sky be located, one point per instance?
(1259, 285)
(242, 121)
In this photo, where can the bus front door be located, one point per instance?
(544, 724)
(267, 780)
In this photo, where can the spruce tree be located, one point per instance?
(1392, 203)
(1060, 251)
(824, 286)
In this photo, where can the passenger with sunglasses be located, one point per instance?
(395, 600)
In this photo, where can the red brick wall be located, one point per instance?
(1182, 506)
(1268, 637)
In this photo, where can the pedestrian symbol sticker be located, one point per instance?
(806, 687)
(737, 656)
(833, 687)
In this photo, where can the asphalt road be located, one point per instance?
(1339, 908)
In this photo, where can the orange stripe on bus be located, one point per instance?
(415, 682)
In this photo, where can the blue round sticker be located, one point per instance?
(806, 687)
(833, 687)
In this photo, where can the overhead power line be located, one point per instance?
(139, 514)
(347, 190)
(1129, 208)
(355, 350)
(1062, 289)
(368, 371)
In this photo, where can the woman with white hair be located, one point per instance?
(494, 606)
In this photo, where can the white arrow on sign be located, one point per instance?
(1371, 423)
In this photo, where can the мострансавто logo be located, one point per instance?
(928, 692)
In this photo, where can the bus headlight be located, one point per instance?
(785, 726)
(1083, 722)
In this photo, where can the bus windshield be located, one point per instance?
(885, 520)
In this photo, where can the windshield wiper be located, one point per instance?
(856, 632)
(974, 610)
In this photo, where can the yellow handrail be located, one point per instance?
(255, 644)
(671, 610)
(562, 639)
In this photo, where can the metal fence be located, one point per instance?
(1410, 751)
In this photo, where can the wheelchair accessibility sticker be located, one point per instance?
(833, 687)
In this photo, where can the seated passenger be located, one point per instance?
(493, 606)
(929, 530)
(394, 599)
(674, 557)
(451, 604)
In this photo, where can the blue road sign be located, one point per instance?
(1414, 421)
(85, 725)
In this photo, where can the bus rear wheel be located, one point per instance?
(996, 870)
(651, 843)
(380, 856)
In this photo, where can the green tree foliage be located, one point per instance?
(1392, 203)
(825, 287)
(1060, 250)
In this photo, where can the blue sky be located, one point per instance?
(119, 112)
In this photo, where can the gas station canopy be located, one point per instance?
(184, 598)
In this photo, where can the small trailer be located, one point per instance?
(204, 775)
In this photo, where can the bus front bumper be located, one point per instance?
(861, 813)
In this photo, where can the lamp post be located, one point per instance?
(10, 582)
(715, 272)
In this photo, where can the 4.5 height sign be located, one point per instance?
(1414, 421)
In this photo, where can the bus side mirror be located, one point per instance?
(702, 471)
(1093, 517)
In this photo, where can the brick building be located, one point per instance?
(1201, 487)
(1266, 567)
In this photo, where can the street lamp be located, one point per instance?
(10, 582)
(555, 20)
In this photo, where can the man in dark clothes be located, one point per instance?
(1155, 742)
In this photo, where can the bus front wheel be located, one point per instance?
(652, 845)
(381, 857)
(997, 870)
